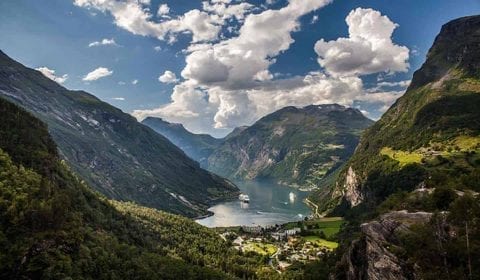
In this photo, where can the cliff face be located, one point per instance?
(370, 257)
(431, 132)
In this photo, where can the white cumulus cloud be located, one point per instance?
(135, 17)
(168, 77)
(98, 73)
(49, 73)
(163, 9)
(103, 42)
(368, 49)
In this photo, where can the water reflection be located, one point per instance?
(269, 204)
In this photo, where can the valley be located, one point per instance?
(347, 152)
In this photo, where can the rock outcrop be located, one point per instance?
(370, 257)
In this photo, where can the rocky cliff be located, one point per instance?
(371, 257)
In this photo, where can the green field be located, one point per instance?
(329, 226)
(261, 248)
(321, 242)
(402, 157)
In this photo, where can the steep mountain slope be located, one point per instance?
(431, 136)
(294, 146)
(52, 226)
(197, 146)
(110, 150)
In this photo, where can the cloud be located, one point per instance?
(157, 48)
(118, 98)
(133, 16)
(168, 77)
(368, 49)
(402, 84)
(98, 73)
(49, 73)
(103, 42)
(134, 82)
(163, 9)
(226, 11)
(228, 83)
(314, 19)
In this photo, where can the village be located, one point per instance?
(302, 241)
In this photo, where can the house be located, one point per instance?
(293, 231)
(238, 241)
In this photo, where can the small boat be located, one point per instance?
(244, 198)
(292, 197)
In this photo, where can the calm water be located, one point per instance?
(269, 204)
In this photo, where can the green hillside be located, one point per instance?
(410, 192)
(52, 226)
(110, 150)
(293, 146)
(430, 137)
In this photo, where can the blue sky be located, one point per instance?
(220, 83)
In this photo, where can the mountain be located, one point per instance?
(197, 146)
(430, 137)
(293, 146)
(236, 131)
(411, 191)
(110, 150)
(53, 226)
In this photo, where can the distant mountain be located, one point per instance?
(197, 146)
(430, 137)
(294, 146)
(236, 131)
(110, 150)
(53, 226)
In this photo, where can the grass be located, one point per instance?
(261, 248)
(467, 143)
(402, 157)
(330, 226)
(470, 85)
(321, 242)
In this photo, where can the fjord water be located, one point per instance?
(270, 204)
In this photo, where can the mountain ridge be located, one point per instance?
(112, 151)
(294, 146)
(437, 110)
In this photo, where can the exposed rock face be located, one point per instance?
(456, 44)
(352, 192)
(369, 256)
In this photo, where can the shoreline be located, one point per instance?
(312, 206)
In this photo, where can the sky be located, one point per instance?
(218, 64)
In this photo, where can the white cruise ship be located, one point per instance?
(244, 198)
